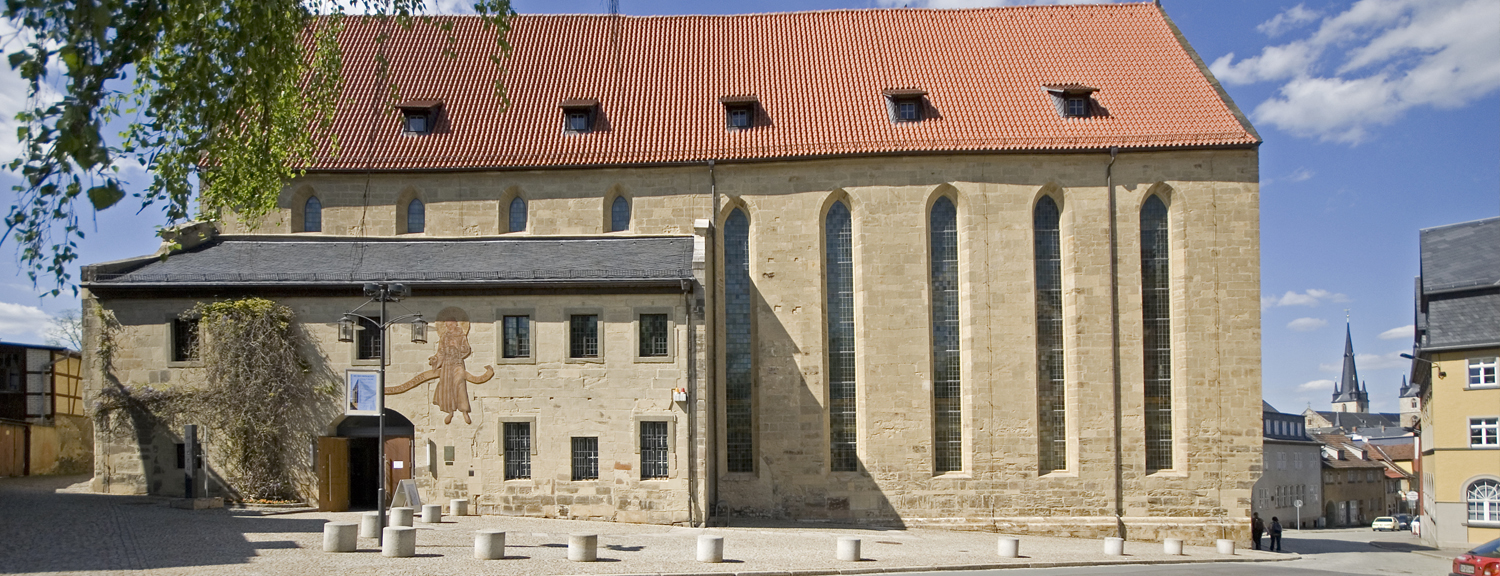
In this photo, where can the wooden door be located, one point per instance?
(398, 462)
(333, 474)
(14, 446)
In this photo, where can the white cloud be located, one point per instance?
(1400, 332)
(1316, 385)
(1381, 361)
(1385, 57)
(1287, 20)
(25, 324)
(1312, 297)
(1306, 324)
(1300, 175)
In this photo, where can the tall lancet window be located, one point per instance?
(738, 355)
(416, 217)
(1156, 316)
(947, 402)
(1052, 439)
(517, 215)
(619, 215)
(839, 267)
(312, 215)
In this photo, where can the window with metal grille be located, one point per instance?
(737, 356)
(1482, 371)
(1156, 306)
(1051, 383)
(1484, 431)
(653, 450)
(517, 215)
(312, 215)
(586, 458)
(583, 336)
(619, 215)
(947, 399)
(369, 340)
(839, 267)
(184, 339)
(517, 450)
(653, 336)
(416, 217)
(517, 337)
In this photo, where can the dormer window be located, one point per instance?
(419, 116)
(739, 111)
(1072, 100)
(906, 104)
(579, 114)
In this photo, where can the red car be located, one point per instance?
(1481, 561)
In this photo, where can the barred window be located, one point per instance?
(654, 335)
(369, 341)
(583, 336)
(517, 337)
(416, 217)
(839, 267)
(619, 215)
(517, 215)
(1484, 501)
(1484, 431)
(1156, 305)
(1052, 440)
(312, 215)
(947, 399)
(586, 458)
(739, 368)
(653, 450)
(517, 450)
(184, 339)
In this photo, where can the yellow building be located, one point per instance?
(1458, 341)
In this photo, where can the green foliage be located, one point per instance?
(234, 95)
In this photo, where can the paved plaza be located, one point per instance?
(54, 525)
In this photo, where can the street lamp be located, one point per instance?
(383, 293)
(1441, 373)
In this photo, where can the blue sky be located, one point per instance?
(1380, 117)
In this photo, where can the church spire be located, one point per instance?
(1348, 396)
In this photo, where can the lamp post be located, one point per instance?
(1441, 373)
(383, 293)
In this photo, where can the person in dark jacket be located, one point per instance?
(1275, 534)
(1257, 527)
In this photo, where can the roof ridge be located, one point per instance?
(1017, 8)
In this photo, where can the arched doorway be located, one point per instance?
(348, 461)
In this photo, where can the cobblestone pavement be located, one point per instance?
(54, 525)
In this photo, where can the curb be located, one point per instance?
(1423, 550)
(954, 568)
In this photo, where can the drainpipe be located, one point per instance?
(1114, 329)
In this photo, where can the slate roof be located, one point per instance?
(296, 261)
(1347, 389)
(818, 78)
(1460, 284)
(1353, 420)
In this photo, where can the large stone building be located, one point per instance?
(1291, 482)
(986, 269)
(1457, 343)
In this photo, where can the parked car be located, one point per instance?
(1384, 523)
(1403, 521)
(1481, 561)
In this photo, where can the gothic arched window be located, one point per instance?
(517, 215)
(1052, 439)
(619, 215)
(312, 215)
(839, 268)
(947, 398)
(1156, 316)
(738, 356)
(416, 216)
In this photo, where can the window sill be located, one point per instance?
(953, 476)
(521, 360)
(1167, 474)
(1059, 474)
(1482, 523)
(185, 364)
(1482, 387)
(654, 359)
(585, 361)
(1484, 447)
(366, 362)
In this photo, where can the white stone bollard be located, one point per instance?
(489, 544)
(1010, 547)
(710, 548)
(1225, 546)
(848, 549)
(400, 516)
(458, 507)
(400, 542)
(369, 525)
(432, 513)
(583, 547)
(1172, 546)
(1114, 546)
(340, 537)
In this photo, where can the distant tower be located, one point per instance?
(1411, 403)
(1348, 396)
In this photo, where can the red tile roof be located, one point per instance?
(818, 76)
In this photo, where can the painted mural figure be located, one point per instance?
(448, 368)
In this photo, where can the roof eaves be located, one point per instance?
(1209, 75)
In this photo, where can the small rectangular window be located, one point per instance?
(417, 122)
(739, 116)
(1482, 372)
(517, 450)
(184, 339)
(369, 340)
(583, 336)
(586, 458)
(517, 337)
(577, 120)
(1077, 107)
(654, 335)
(907, 110)
(1484, 431)
(653, 450)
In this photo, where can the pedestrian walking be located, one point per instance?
(1275, 534)
(1257, 527)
